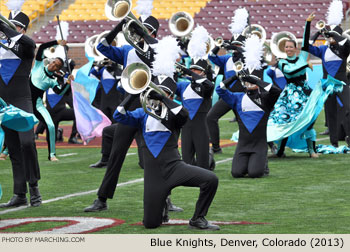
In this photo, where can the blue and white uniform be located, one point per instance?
(110, 96)
(220, 108)
(15, 66)
(196, 98)
(252, 109)
(163, 167)
(334, 61)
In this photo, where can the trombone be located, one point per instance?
(12, 26)
(117, 10)
(136, 79)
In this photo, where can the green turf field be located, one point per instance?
(300, 196)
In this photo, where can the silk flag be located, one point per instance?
(90, 120)
(15, 119)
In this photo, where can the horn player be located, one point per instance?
(164, 169)
(15, 90)
(123, 135)
(334, 62)
(196, 95)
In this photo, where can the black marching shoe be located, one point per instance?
(217, 150)
(347, 140)
(59, 136)
(172, 207)
(35, 197)
(165, 216)
(97, 206)
(74, 140)
(202, 223)
(99, 164)
(15, 201)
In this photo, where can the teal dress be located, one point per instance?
(298, 106)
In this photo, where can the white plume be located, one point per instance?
(167, 52)
(335, 13)
(65, 30)
(239, 21)
(15, 5)
(253, 52)
(144, 8)
(197, 46)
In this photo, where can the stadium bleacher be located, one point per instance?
(86, 17)
(33, 8)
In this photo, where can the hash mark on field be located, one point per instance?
(67, 155)
(88, 192)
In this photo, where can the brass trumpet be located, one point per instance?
(320, 25)
(136, 79)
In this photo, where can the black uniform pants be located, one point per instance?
(65, 114)
(249, 163)
(122, 139)
(195, 141)
(108, 139)
(160, 181)
(22, 151)
(219, 109)
(332, 113)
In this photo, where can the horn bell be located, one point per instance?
(117, 10)
(181, 24)
(255, 29)
(278, 41)
(135, 78)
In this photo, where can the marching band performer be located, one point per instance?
(226, 62)
(252, 108)
(42, 78)
(334, 61)
(108, 73)
(220, 108)
(123, 134)
(291, 121)
(164, 169)
(15, 90)
(196, 98)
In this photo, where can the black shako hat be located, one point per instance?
(336, 28)
(200, 64)
(238, 39)
(152, 24)
(166, 83)
(19, 19)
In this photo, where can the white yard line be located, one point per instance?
(67, 155)
(69, 196)
(88, 192)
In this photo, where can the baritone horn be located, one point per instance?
(91, 43)
(255, 29)
(181, 24)
(346, 34)
(136, 79)
(117, 10)
(3, 36)
(278, 41)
